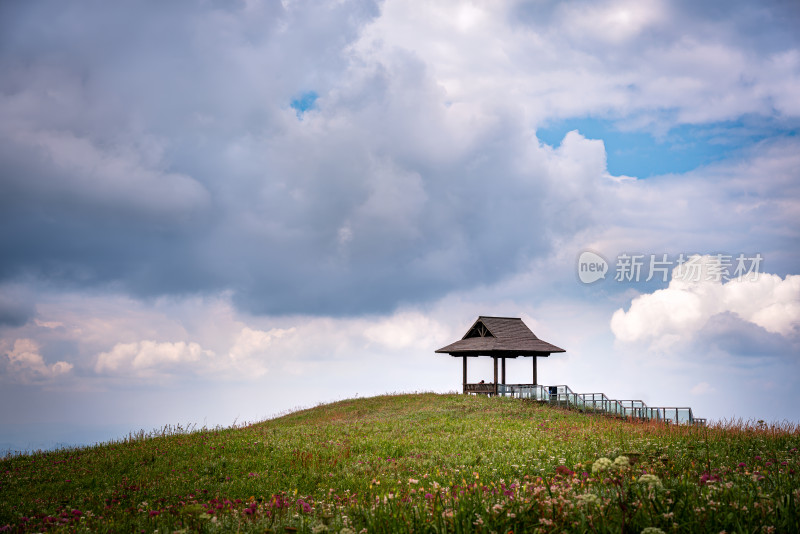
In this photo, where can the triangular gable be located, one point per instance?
(479, 329)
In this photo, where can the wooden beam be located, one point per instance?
(464, 380)
(495, 374)
(504, 372)
(534, 370)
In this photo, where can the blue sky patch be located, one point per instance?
(304, 102)
(686, 147)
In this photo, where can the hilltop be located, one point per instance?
(421, 462)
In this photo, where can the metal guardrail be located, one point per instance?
(563, 395)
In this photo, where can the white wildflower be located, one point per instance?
(622, 462)
(588, 499)
(601, 465)
(650, 480)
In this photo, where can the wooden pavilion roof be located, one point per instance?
(508, 337)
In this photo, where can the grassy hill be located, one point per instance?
(422, 462)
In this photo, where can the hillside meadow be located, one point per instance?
(417, 463)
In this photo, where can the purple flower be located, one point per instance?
(742, 464)
(428, 496)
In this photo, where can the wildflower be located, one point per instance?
(601, 465)
(653, 530)
(564, 470)
(621, 462)
(347, 530)
(413, 481)
(650, 480)
(304, 505)
(588, 499)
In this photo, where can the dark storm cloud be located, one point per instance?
(154, 149)
(14, 312)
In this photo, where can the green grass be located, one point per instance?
(422, 463)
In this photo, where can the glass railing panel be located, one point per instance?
(562, 395)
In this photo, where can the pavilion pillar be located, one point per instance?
(534, 370)
(495, 374)
(464, 379)
(503, 378)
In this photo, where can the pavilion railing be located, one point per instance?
(601, 403)
(482, 388)
(562, 395)
(523, 391)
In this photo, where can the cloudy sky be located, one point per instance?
(217, 211)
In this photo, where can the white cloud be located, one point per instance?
(148, 358)
(26, 365)
(48, 324)
(673, 315)
(253, 350)
(570, 59)
(406, 330)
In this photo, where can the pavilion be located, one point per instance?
(499, 338)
